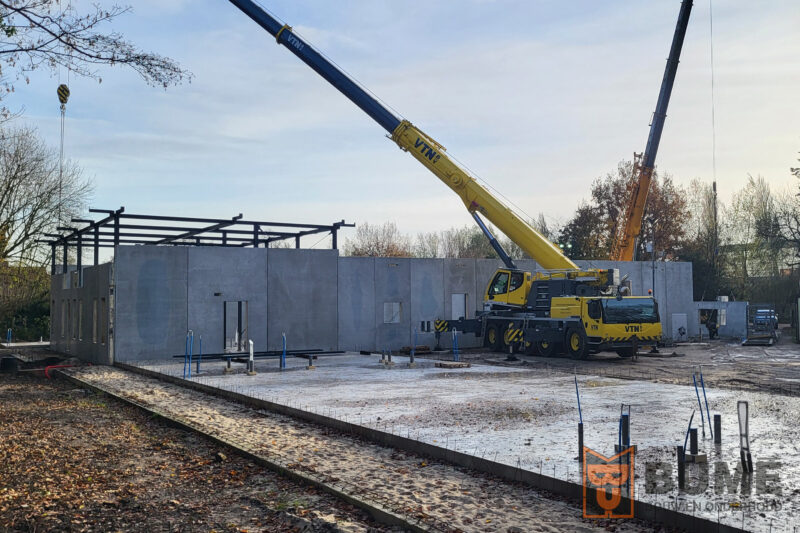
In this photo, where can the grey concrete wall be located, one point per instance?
(427, 298)
(736, 319)
(151, 314)
(318, 299)
(80, 313)
(356, 303)
(392, 286)
(216, 276)
(302, 295)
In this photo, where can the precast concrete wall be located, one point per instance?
(320, 300)
(302, 298)
(356, 303)
(80, 313)
(735, 319)
(152, 302)
(214, 277)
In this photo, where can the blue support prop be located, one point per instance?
(708, 413)
(8, 336)
(456, 356)
(578, 394)
(283, 354)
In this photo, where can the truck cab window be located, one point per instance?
(499, 283)
(595, 310)
(516, 281)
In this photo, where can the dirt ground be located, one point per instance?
(76, 462)
(725, 364)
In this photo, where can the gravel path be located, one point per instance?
(428, 490)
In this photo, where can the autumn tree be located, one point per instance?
(591, 231)
(49, 34)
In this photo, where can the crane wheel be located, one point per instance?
(494, 339)
(546, 348)
(575, 342)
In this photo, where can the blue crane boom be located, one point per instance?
(283, 35)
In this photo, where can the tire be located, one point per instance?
(545, 348)
(494, 339)
(575, 344)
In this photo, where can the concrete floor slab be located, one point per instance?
(529, 417)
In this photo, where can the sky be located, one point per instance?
(536, 97)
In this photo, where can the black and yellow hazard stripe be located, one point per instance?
(513, 335)
(63, 93)
(441, 325)
(625, 339)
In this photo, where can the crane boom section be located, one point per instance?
(625, 242)
(423, 148)
(477, 199)
(283, 35)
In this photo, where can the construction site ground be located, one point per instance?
(517, 412)
(72, 461)
(525, 412)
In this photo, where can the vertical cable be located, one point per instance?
(714, 244)
(713, 118)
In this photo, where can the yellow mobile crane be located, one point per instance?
(581, 311)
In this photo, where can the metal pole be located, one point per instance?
(97, 244)
(80, 260)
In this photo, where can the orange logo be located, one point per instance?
(608, 484)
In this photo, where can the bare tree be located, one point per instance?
(378, 241)
(467, 241)
(35, 197)
(40, 34)
(428, 245)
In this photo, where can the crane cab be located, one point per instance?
(507, 289)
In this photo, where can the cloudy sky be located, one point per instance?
(537, 97)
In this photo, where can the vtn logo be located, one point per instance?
(295, 42)
(426, 150)
(630, 329)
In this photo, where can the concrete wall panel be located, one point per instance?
(72, 315)
(392, 287)
(219, 275)
(356, 303)
(427, 298)
(302, 295)
(151, 302)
